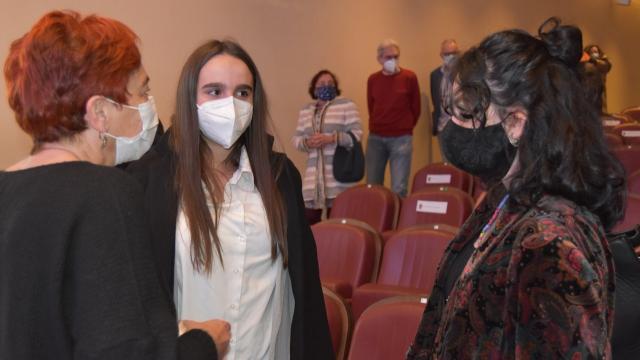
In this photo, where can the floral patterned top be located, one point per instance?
(539, 285)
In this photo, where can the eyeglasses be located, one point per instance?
(477, 121)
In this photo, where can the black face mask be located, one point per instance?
(485, 153)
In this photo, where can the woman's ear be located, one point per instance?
(95, 113)
(514, 126)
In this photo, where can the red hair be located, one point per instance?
(60, 63)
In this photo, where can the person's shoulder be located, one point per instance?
(287, 169)
(342, 101)
(559, 220)
(281, 158)
(94, 184)
(77, 181)
(310, 106)
(97, 176)
(375, 75)
(107, 177)
(408, 73)
(159, 155)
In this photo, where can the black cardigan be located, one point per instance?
(310, 337)
(77, 278)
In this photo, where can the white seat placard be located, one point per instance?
(612, 122)
(431, 207)
(439, 179)
(631, 133)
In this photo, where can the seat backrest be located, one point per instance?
(453, 230)
(610, 121)
(372, 204)
(630, 133)
(629, 156)
(348, 251)
(411, 257)
(435, 206)
(631, 215)
(633, 113)
(613, 140)
(339, 322)
(442, 174)
(633, 182)
(386, 329)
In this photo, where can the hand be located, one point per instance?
(219, 330)
(320, 140)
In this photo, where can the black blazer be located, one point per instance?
(435, 80)
(310, 337)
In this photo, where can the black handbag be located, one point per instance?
(348, 163)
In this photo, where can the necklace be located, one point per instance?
(61, 148)
(484, 234)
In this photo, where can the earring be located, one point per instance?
(103, 140)
(513, 141)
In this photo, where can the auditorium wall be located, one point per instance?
(291, 39)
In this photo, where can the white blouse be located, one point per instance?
(252, 292)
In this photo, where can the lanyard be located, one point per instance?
(484, 234)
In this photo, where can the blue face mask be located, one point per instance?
(326, 93)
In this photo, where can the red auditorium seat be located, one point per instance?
(446, 206)
(409, 264)
(372, 204)
(435, 206)
(442, 174)
(633, 113)
(629, 156)
(386, 329)
(610, 121)
(348, 254)
(613, 140)
(630, 133)
(339, 322)
(631, 215)
(633, 182)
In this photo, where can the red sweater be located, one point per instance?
(394, 103)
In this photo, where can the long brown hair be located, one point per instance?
(194, 160)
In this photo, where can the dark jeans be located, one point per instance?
(315, 215)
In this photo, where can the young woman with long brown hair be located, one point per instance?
(227, 212)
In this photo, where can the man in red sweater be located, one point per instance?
(393, 99)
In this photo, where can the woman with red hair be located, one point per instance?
(77, 279)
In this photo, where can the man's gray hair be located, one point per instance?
(387, 43)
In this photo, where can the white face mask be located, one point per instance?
(132, 148)
(448, 59)
(390, 65)
(224, 121)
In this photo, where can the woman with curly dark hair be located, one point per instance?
(530, 273)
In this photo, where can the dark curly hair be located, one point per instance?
(314, 80)
(562, 150)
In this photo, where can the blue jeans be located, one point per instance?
(397, 150)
